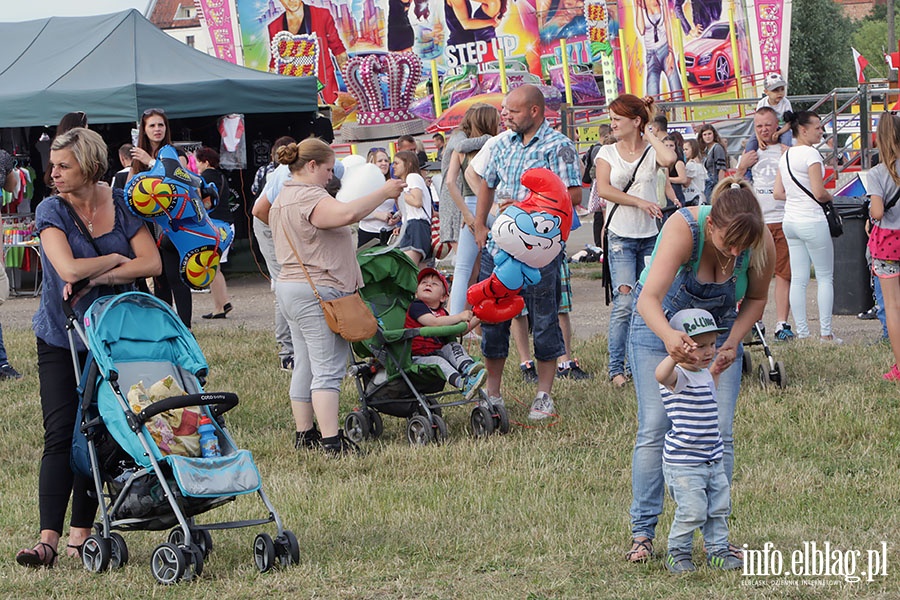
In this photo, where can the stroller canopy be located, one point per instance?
(134, 327)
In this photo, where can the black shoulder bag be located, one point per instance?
(835, 223)
(607, 276)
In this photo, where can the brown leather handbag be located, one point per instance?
(348, 316)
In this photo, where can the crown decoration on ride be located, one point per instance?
(363, 75)
(295, 55)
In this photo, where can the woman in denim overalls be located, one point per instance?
(709, 258)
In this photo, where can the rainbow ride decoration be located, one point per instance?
(170, 197)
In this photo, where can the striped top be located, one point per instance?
(691, 406)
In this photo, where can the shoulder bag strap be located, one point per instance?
(628, 185)
(607, 276)
(892, 201)
(787, 160)
(80, 224)
(305, 272)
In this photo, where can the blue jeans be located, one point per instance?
(702, 497)
(267, 249)
(3, 357)
(542, 302)
(645, 352)
(811, 243)
(879, 310)
(467, 252)
(627, 257)
(656, 67)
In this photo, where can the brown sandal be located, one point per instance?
(641, 550)
(42, 555)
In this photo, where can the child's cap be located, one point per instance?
(695, 321)
(438, 274)
(774, 81)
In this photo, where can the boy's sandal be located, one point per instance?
(641, 550)
(42, 555)
(735, 551)
(619, 380)
(77, 548)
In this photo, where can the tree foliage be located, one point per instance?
(820, 58)
(870, 40)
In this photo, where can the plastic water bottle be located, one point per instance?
(209, 442)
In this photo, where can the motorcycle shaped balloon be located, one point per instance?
(171, 197)
(529, 235)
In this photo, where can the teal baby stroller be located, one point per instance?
(142, 482)
(387, 380)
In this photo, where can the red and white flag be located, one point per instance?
(860, 62)
(893, 60)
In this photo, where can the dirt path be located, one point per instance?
(253, 309)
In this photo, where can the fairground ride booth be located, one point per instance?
(113, 67)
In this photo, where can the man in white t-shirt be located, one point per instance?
(763, 166)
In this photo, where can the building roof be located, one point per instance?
(172, 14)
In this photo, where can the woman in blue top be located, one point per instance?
(78, 160)
(708, 257)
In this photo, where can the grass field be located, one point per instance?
(539, 513)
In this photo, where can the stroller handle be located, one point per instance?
(68, 310)
(220, 403)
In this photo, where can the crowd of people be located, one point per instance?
(686, 244)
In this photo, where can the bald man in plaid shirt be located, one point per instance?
(530, 143)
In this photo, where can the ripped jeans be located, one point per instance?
(627, 257)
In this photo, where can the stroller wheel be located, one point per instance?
(200, 538)
(203, 538)
(357, 426)
(763, 375)
(780, 376)
(96, 554)
(746, 363)
(440, 429)
(194, 561)
(501, 419)
(377, 425)
(419, 431)
(119, 557)
(264, 552)
(167, 563)
(287, 548)
(482, 422)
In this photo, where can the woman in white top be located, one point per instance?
(379, 224)
(631, 221)
(696, 173)
(805, 226)
(415, 206)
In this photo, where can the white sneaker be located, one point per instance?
(491, 401)
(832, 340)
(542, 407)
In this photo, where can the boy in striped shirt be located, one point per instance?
(692, 455)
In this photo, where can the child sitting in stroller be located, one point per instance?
(427, 310)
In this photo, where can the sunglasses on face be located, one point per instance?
(154, 111)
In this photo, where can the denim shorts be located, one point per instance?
(542, 302)
(885, 269)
